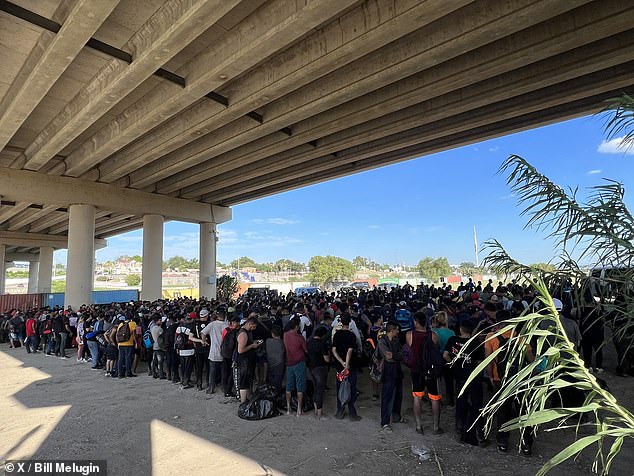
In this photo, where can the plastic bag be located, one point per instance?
(344, 392)
(423, 453)
(260, 405)
(259, 409)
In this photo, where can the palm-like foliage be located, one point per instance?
(599, 230)
(538, 385)
(621, 120)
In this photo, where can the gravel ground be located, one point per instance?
(62, 410)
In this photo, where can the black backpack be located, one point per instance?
(229, 343)
(181, 341)
(431, 363)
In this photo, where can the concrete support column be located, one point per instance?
(152, 278)
(45, 275)
(34, 267)
(3, 269)
(81, 255)
(207, 272)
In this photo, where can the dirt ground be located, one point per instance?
(57, 409)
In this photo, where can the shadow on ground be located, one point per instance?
(63, 410)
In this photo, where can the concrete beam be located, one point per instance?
(23, 185)
(348, 38)
(36, 240)
(29, 216)
(473, 26)
(531, 45)
(50, 57)
(564, 67)
(120, 227)
(63, 224)
(167, 32)
(15, 256)
(9, 212)
(512, 119)
(269, 29)
(47, 221)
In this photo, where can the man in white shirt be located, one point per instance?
(214, 331)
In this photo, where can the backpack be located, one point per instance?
(377, 363)
(123, 332)
(48, 327)
(229, 344)
(148, 341)
(431, 363)
(181, 341)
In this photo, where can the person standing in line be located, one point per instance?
(246, 358)
(276, 357)
(296, 350)
(126, 342)
(392, 388)
(344, 345)
(158, 348)
(318, 360)
(214, 331)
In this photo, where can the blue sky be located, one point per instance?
(403, 212)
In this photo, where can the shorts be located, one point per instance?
(296, 378)
(420, 384)
(247, 374)
(112, 352)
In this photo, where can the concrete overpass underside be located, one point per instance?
(182, 108)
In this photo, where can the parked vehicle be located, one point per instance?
(307, 290)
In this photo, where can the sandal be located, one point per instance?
(419, 430)
(400, 420)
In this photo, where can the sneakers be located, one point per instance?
(502, 449)
(375, 397)
(526, 450)
(339, 416)
(186, 387)
(437, 431)
(386, 429)
(354, 418)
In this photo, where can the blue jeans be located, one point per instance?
(51, 343)
(352, 378)
(94, 352)
(126, 352)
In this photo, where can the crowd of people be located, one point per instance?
(293, 342)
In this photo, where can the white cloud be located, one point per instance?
(493, 149)
(616, 146)
(275, 221)
(594, 172)
(374, 227)
(281, 221)
(507, 197)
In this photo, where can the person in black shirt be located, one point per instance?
(469, 403)
(344, 345)
(318, 359)
(171, 356)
